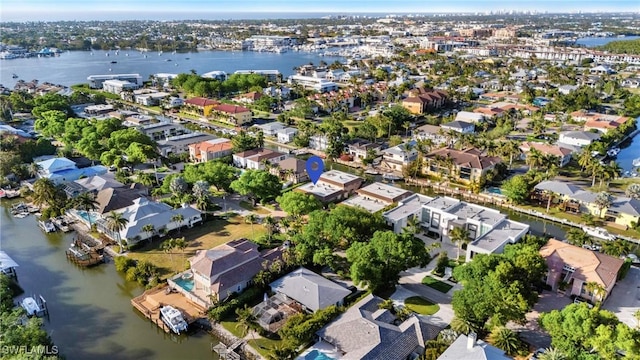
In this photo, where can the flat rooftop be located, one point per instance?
(338, 177)
(408, 206)
(369, 205)
(383, 192)
(506, 231)
(442, 203)
(478, 213)
(320, 189)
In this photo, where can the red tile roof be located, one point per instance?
(231, 109)
(201, 102)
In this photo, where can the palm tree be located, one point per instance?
(616, 248)
(633, 191)
(251, 219)
(585, 160)
(167, 246)
(149, 229)
(88, 203)
(535, 158)
(145, 179)
(505, 339)
(463, 326)
(597, 169)
(178, 219)
(245, 320)
(602, 201)
(459, 236)
(33, 169)
(552, 354)
(596, 290)
(406, 125)
(577, 237)
(611, 171)
(116, 223)
(180, 244)
(271, 225)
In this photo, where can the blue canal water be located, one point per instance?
(73, 67)
(599, 41)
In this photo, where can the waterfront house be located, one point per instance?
(180, 144)
(376, 197)
(578, 138)
(466, 165)
(111, 199)
(248, 98)
(228, 268)
(210, 150)
(256, 158)
(397, 157)
(314, 292)
(562, 154)
(271, 128)
(489, 230)
(147, 212)
(622, 212)
(61, 170)
(163, 130)
(92, 184)
(572, 267)
(358, 149)
(286, 135)
(468, 347)
(367, 332)
(332, 186)
(470, 117)
(319, 142)
(118, 86)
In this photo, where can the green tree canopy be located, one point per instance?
(516, 189)
(257, 185)
(297, 203)
(379, 262)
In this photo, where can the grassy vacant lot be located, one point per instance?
(436, 284)
(210, 234)
(256, 209)
(421, 305)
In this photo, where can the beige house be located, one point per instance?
(466, 165)
(574, 267)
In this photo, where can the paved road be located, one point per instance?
(625, 298)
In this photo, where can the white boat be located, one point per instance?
(613, 152)
(173, 318)
(636, 162)
(31, 306)
(21, 215)
(391, 177)
(371, 172)
(599, 233)
(47, 226)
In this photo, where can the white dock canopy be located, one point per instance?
(6, 262)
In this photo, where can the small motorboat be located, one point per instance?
(599, 233)
(31, 306)
(47, 226)
(15, 76)
(114, 62)
(636, 162)
(173, 318)
(391, 177)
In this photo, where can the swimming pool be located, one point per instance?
(85, 216)
(317, 355)
(494, 190)
(184, 283)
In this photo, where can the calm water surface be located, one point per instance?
(91, 316)
(73, 67)
(599, 41)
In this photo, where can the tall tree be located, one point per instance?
(257, 185)
(459, 236)
(87, 202)
(116, 223)
(297, 203)
(251, 219)
(178, 219)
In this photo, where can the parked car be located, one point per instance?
(579, 300)
(537, 353)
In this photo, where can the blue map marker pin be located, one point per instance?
(315, 167)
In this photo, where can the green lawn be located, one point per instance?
(421, 305)
(436, 284)
(258, 210)
(231, 326)
(210, 234)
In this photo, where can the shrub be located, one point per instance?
(123, 263)
(441, 264)
(227, 308)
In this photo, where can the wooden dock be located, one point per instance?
(228, 352)
(85, 251)
(150, 302)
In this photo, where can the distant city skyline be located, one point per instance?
(47, 10)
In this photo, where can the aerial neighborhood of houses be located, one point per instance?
(480, 192)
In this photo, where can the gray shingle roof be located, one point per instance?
(310, 289)
(558, 187)
(481, 351)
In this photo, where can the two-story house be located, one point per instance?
(256, 158)
(209, 150)
(466, 165)
(561, 153)
(395, 158)
(421, 100)
(461, 127)
(359, 149)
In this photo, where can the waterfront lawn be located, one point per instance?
(264, 345)
(436, 284)
(212, 233)
(421, 306)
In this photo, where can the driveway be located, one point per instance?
(531, 332)
(625, 298)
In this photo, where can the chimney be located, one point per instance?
(471, 340)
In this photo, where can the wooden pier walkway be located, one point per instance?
(150, 302)
(228, 352)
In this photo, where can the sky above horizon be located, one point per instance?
(51, 10)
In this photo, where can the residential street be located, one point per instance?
(625, 298)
